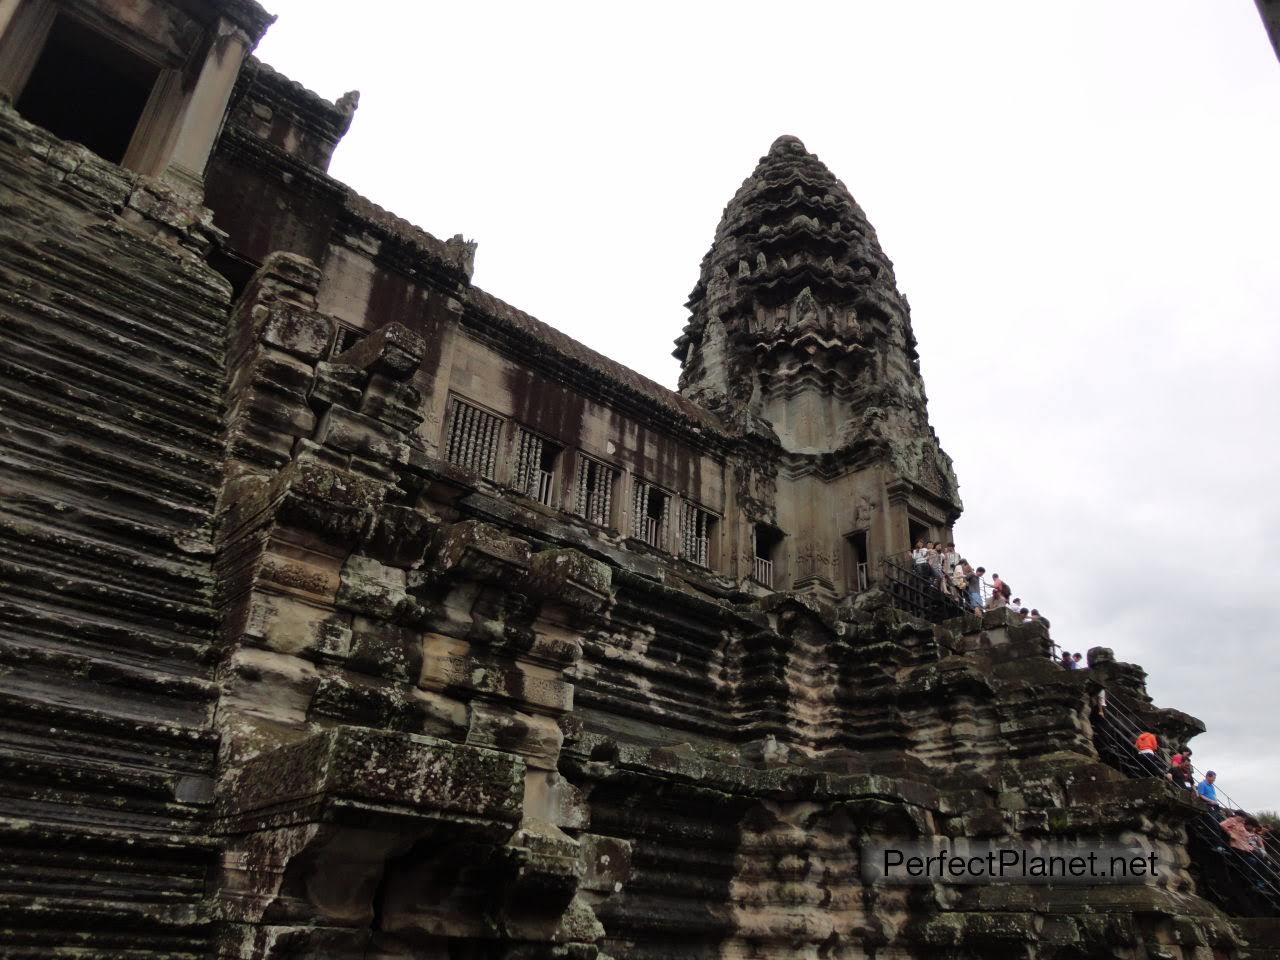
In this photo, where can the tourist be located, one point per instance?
(982, 587)
(1066, 661)
(1076, 662)
(1033, 616)
(920, 558)
(1100, 705)
(998, 596)
(950, 560)
(971, 585)
(1206, 790)
(1146, 745)
(1237, 832)
(934, 557)
(1000, 593)
(1016, 604)
(1181, 775)
(1257, 836)
(1023, 614)
(1244, 839)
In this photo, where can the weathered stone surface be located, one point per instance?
(349, 612)
(431, 777)
(110, 419)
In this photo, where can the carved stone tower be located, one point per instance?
(799, 334)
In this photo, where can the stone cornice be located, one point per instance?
(248, 15)
(301, 177)
(305, 107)
(409, 247)
(914, 494)
(544, 348)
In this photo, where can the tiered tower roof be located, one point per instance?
(792, 224)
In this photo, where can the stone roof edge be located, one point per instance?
(237, 141)
(626, 383)
(333, 119)
(455, 256)
(248, 15)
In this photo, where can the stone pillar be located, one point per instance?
(24, 26)
(202, 119)
(158, 126)
(8, 9)
(897, 530)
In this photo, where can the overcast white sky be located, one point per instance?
(1081, 200)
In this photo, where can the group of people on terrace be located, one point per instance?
(951, 574)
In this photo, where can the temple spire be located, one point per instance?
(796, 321)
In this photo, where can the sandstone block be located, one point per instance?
(382, 649)
(301, 333)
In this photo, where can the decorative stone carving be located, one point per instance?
(280, 682)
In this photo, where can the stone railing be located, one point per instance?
(762, 572)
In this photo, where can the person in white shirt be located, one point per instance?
(920, 560)
(950, 560)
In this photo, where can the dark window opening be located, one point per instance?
(235, 269)
(347, 337)
(536, 467)
(918, 531)
(547, 460)
(767, 541)
(88, 89)
(858, 575)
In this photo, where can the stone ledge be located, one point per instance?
(404, 774)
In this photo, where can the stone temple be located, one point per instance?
(348, 612)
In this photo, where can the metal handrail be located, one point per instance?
(1224, 798)
(986, 587)
(906, 559)
(1261, 875)
(1165, 755)
(1258, 872)
(918, 594)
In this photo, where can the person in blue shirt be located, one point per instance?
(1206, 789)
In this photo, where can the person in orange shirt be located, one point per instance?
(1146, 745)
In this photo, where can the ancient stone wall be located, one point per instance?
(297, 663)
(110, 422)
